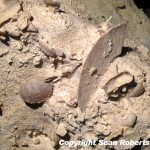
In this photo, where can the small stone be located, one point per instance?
(35, 133)
(75, 114)
(95, 108)
(61, 130)
(59, 52)
(23, 20)
(14, 32)
(32, 28)
(25, 143)
(9, 12)
(37, 60)
(131, 120)
(99, 128)
(80, 118)
(89, 123)
(36, 141)
(29, 133)
(54, 3)
(95, 120)
(25, 49)
(143, 50)
(106, 132)
(9, 60)
(124, 89)
(16, 45)
(74, 124)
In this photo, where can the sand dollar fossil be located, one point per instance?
(35, 90)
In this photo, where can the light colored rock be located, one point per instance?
(37, 60)
(143, 50)
(29, 133)
(54, 3)
(95, 108)
(106, 132)
(9, 12)
(131, 120)
(61, 130)
(80, 118)
(99, 128)
(23, 20)
(25, 143)
(15, 44)
(36, 141)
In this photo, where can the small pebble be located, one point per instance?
(29, 133)
(99, 128)
(131, 120)
(59, 52)
(95, 108)
(61, 130)
(54, 3)
(36, 141)
(106, 132)
(124, 89)
(37, 60)
(9, 60)
(81, 118)
(25, 144)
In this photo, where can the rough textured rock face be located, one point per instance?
(99, 11)
(55, 42)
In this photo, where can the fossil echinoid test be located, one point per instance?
(35, 90)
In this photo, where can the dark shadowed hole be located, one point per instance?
(125, 50)
(1, 112)
(138, 147)
(65, 138)
(143, 4)
(39, 65)
(5, 41)
(35, 106)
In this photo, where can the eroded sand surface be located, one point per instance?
(22, 42)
